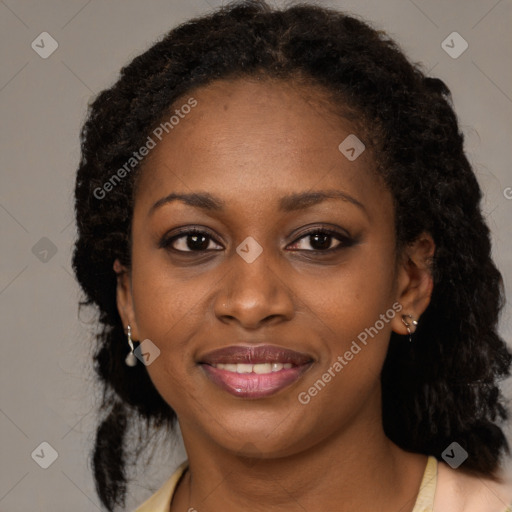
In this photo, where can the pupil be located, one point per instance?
(195, 245)
(325, 241)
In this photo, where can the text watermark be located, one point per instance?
(305, 397)
(137, 156)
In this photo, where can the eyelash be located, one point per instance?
(345, 241)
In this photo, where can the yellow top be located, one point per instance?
(442, 489)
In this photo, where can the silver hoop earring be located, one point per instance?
(408, 325)
(130, 360)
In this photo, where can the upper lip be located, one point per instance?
(255, 354)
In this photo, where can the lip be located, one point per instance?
(255, 354)
(253, 385)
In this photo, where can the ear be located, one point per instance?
(414, 281)
(125, 298)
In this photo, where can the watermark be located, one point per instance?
(305, 397)
(507, 192)
(44, 455)
(143, 151)
(454, 455)
(147, 352)
(44, 249)
(454, 45)
(44, 45)
(351, 147)
(249, 249)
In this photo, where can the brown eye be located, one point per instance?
(192, 240)
(321, 240)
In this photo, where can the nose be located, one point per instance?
(254, 294)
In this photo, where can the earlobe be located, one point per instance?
(124, 298)
(415, 283)
(410, 324)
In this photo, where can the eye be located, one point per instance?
(196, 240)
(191, 240)
(321, 240)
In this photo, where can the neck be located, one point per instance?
(357, 468)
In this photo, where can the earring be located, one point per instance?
(130, 360)
(408, 325)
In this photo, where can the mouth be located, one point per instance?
(256, 371)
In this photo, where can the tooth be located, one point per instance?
(262, 368)
(244, 368)
(259, 368)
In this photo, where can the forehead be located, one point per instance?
(250, 139)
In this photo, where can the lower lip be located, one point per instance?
(253, 385)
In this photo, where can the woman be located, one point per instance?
(282, 233)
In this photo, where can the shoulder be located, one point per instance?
(160, 501)
(459, 492)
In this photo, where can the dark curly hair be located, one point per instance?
(439, 389)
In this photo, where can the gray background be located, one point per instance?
(47, 391)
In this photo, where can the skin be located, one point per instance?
(249, 143)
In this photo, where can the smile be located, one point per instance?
(259, 368)
(256, 371)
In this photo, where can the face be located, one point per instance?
(283, 280)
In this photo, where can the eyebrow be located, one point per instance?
(289, 203)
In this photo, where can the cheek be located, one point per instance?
(352, 296)
(166, 299)
(352, 311)
(168, 311)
